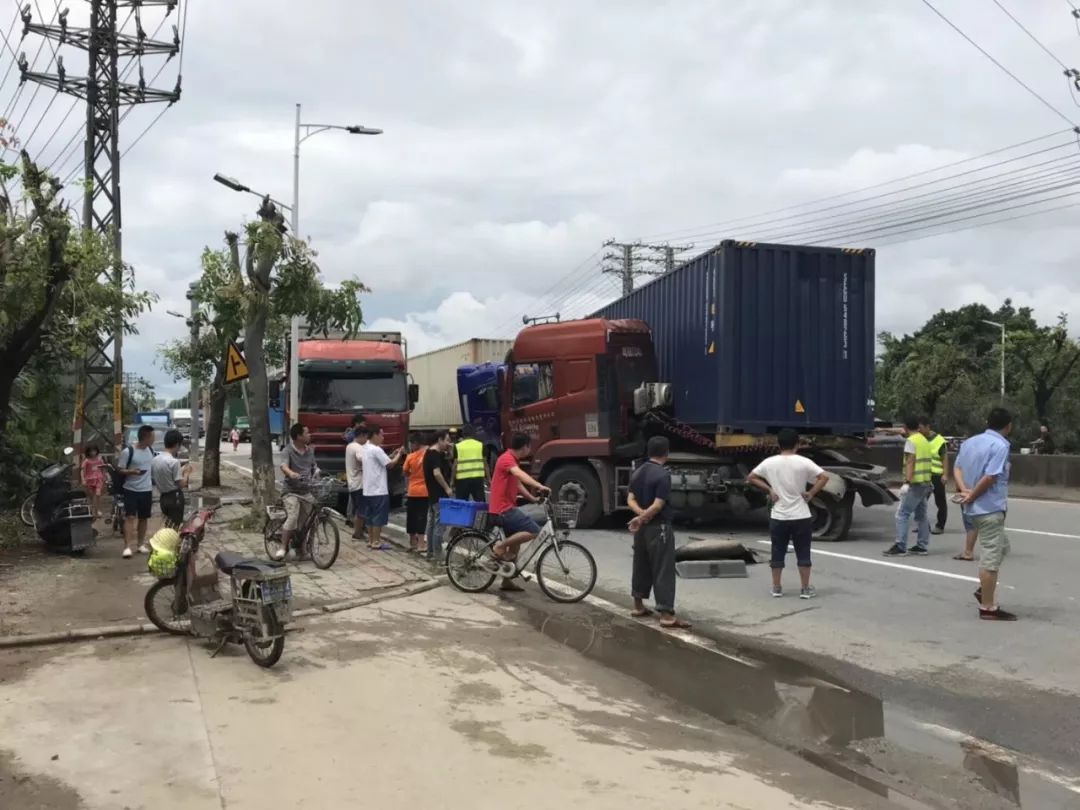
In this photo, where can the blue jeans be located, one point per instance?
(914, 503)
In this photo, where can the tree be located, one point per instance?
(282, 280)
(1049, 357)
(53, 301)
(253, 297)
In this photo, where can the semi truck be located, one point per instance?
(719, 355)
(437, 373)
(341, 377)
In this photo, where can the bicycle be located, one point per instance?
(26, 511)
(472, 567)
(320, 539)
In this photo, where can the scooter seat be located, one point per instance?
(228, 561)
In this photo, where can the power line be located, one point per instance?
(7, 44)
(691, 232)
(148, 128)
(1004, 69)
(1031, 36)
(56, 131)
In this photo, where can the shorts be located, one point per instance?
(138, 504)
(515, 520)
(356, 503)
(416, 509)
(798, 533)
(172, 507)
(993, 541)
(297, 508)
(377, 510)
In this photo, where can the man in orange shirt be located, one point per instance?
(416, 507)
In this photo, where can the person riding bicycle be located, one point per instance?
(300, 471)
(508, 481)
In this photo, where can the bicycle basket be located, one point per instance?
(325, 491)
(564, 514)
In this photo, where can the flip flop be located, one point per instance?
(640, 614)
(678, 624)
(962, 557)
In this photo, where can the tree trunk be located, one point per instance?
(262, 454)
(215, 418)
(7, 389)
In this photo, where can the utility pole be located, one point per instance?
(105, 94)
(193, 396)
(634, 259)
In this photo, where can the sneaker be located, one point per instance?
(279, 555)
(777, 592)
(918, 551)
(996, 615)
(895, 551)
(127, 554)
(144, 549)
(938, 530)
(808, 592)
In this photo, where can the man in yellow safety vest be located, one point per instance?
(470, 468)
(918, 484)
(939, 477)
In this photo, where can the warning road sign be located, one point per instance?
(235, 365)
(799, 406)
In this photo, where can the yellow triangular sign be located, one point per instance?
(799, 406)
(236, 368)
(712, 347)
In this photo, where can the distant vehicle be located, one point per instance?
(131, 437)
(885, 438)
(159, 419)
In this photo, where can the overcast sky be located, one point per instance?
(519, 136)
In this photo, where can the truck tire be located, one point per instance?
(832, 517)
(578, 482)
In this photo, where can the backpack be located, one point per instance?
(117, 478)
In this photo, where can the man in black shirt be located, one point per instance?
(654, 542)
(437, 478)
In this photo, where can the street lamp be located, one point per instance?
(236, 185)
(294, 327)
(1000, 326)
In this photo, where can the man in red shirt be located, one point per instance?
(507, 482)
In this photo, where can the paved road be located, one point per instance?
(907, 629)
(437, 700)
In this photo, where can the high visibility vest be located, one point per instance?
(936, 443)
(470, 459)
(924, 459)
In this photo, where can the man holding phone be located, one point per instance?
(135, 464)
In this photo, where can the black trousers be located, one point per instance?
(470, 489)
(654, 565)
(941, 500)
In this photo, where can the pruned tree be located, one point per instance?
(1050, 357)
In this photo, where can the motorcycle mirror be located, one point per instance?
(68, 451)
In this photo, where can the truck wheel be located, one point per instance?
(577, 482)
(832, 517)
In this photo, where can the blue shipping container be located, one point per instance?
(757, 337)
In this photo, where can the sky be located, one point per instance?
(518, 137)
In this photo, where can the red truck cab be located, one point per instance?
(366, 374)
(571, 387)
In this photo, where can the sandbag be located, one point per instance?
(698, 549)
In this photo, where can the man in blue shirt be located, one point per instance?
(984, 466)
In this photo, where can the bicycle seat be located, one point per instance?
(227, 561)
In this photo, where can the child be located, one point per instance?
(93, 478)
(234, 437)
(785, 478)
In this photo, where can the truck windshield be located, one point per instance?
(376, 392)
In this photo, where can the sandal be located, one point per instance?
(640, 614)
(675, 624)
(962, 557)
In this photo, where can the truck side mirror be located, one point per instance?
(414, 395)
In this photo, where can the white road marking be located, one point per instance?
(888, 564)
(1009, 529)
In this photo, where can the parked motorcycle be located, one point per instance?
(187, 598)
(61, 513)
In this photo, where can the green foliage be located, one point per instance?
(950, 370)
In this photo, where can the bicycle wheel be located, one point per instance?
(465, 558)
(160, 605)
(26, 513)
(325, 541)
(272, 536)
(566, 573)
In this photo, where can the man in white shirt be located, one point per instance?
(377, 485)
(785, 478)
(170, 476)
(354, 473)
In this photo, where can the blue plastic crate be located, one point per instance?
(465, 514)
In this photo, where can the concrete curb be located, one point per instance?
(145, 628)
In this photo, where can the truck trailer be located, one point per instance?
(437, 375)
(719, 355)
